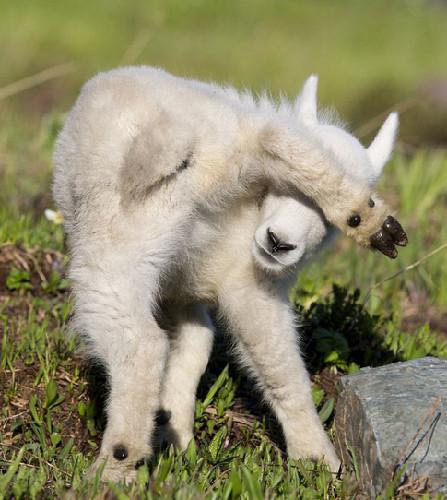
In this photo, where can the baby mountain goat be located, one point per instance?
(251, 294)
(150, 171)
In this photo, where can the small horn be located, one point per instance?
(306, 102)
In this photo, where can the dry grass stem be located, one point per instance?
(37, 79)
(414, 265)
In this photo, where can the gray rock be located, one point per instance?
(394, 415)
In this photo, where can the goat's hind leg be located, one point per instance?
(191, 340)
(113, 313)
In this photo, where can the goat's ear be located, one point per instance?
(306, 103)
(379, 152)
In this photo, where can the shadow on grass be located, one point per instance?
(335, 332)
(340, 331)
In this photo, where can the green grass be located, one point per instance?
(370, 56)
(51, 427)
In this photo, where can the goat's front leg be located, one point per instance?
(112, 312)
(295, 160)
(267, 342)
(191, 341)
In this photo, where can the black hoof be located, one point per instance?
(140, 463)
(162, 417)
(120, 452)
(391, 234)
(383, 242)
(393, 228)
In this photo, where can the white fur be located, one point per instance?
(296, 220)
(255, 304)
(143, 229)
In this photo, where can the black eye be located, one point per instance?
(354, 220)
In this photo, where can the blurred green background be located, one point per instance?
(372, 57)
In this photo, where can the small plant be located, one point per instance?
(55, 283)
(339, 331)
(18, 279)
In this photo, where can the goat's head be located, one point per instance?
(293, 229)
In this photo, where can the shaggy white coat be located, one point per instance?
(252, 294)
(149, 170)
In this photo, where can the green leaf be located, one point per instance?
(165, 466)
(59, 399)
(33, 403)
(330, 342)
(353, 368)
(317, 395)
(332, 357)
(82, 408)
(117, 492)
(210, 426)
(236, 484)
(91, 427)
(252, 485)
(191, 453)
(50, 393)
(327, 410)
(55, 283)
(18, 280)
(142, 480)
(92, 444)
(66, 450)
(55, 438)
(221, 379)
(12, 469)
(217, 442)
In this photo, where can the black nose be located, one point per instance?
(277, 244)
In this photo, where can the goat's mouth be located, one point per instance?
(265, 255)
(269, 255)
(277, 244)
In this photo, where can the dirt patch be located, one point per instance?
(17, 421)
(23, 380)
(37, 265)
